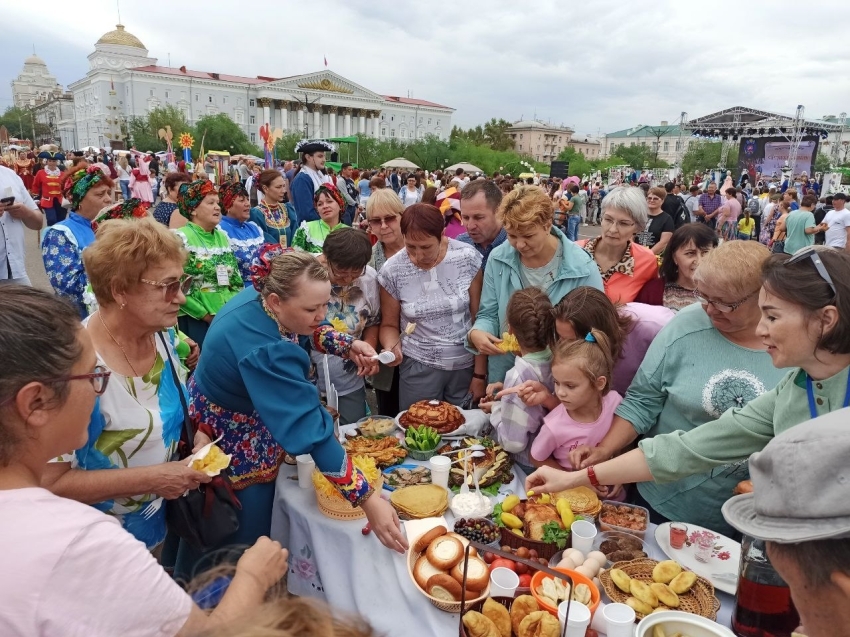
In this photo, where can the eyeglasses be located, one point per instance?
(724, 307)
(99, 378)
(811, 253)
(345, 275)
(183, 284)
(653, 198)
(377, 222)
(610, 221)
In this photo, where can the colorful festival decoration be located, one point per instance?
(270, 137)
(167, 135)
(186, 143)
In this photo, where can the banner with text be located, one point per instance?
(767, 156)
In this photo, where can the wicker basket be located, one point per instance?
(700, 600)
(543, 549)
(449, 607)
(338, 508)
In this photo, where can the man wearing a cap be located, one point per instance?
(47, 189)
(800, 506)
(837, 222)
(309, 177)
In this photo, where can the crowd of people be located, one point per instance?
(698, 324)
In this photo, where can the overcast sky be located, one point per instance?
(596, 66)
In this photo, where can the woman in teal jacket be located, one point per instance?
(536, 254)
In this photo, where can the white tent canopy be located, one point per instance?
(400, 162)
(469, 168)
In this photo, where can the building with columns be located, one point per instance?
(123, 82)
(34, 84)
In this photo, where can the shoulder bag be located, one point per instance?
(206, 516)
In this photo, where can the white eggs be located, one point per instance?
(576, 556)
(567, 563)
(598, 557)
(589, 571)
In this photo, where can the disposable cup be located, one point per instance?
(503, 582)
(583, 534)
(305, 466)
(578, 620)
(619, 620)
(440, 466)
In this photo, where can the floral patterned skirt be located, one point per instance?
(256, 456)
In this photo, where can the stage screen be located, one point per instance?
(767, 155)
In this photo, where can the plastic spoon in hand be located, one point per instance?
(464, 488)
(386, 357)
(477, 487)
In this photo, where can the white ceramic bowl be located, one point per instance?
(674, 621)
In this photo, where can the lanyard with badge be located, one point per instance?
(811, 395)
(221, 274)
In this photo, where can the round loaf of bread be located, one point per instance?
(423, 570)
(443, 587)
(444, 552)
(477, 574)
(426, 538)
(472, 552)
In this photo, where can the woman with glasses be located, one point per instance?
(212, 264)
(311, 235)
(805, 326)
(626, 267)
(709, 358)
(89, 191)
(354, 309)
(67, 554)
(383, 215)
(658, 229)
(124, 469)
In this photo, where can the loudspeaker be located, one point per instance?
(559, 169)
(334, 157)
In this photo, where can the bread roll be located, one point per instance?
(539, 624)
(443, 587)
(477, 574)
(426, 538)
(444, 552)
(472, 552)
(478, 625)
(423, 570)
(522, 606)
(499, 615)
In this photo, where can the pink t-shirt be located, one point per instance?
(70, 570)
(560, 434)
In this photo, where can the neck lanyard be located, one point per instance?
(811, 395)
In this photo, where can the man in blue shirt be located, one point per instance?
(310, 177)
(479, 202)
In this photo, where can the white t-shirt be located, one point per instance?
(70, 570)
(838, 222)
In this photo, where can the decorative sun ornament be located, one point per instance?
(186, 140)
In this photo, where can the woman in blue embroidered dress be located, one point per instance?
(273, 217)
(136, 273)
(89, 191)
(252, 387)
(246, 237)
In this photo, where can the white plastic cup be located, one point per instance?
(619, 620)
(583, 534)
(578, 620)
(440, 466)
(305, 466)
(503, 582)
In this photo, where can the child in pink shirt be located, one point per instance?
(582, 376)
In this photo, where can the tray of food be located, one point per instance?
(435, 564)
(375, 425)
(620, 547)
(538, 523)
(422, 442)
(647, 586)
(493, 469)
(438, 414)
(628, 518)
(420, 501)
(386, 451)
(330, 501)
(406, 475)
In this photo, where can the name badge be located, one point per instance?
(221, 275)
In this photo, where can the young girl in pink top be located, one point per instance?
(582, 375)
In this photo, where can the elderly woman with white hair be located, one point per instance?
(671, 393)
(625, 265)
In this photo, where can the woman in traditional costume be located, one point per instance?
(310, 236)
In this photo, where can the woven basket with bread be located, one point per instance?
(330, 500)
(435, 564)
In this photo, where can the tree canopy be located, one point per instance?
(144, 131)
(21, 124)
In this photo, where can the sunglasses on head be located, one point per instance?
(811, 253)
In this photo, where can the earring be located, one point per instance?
(121, 307)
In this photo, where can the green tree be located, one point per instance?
(822, 163)
(144, 130)
(428, 152)
(578, 164)
(635, 156)
(496, 134)
(20, 122)
(219, 132)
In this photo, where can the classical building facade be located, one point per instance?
(123, 81)
(671, 141)
(541, 141)
(57, 113)
(34, 84)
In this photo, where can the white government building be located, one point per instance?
(123, 81)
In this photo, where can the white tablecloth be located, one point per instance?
(332, 561)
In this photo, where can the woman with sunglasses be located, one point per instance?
(136, 272)
(805, 326)
(383, 215)
(708, 358)
(77, 571)
(212, 264)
